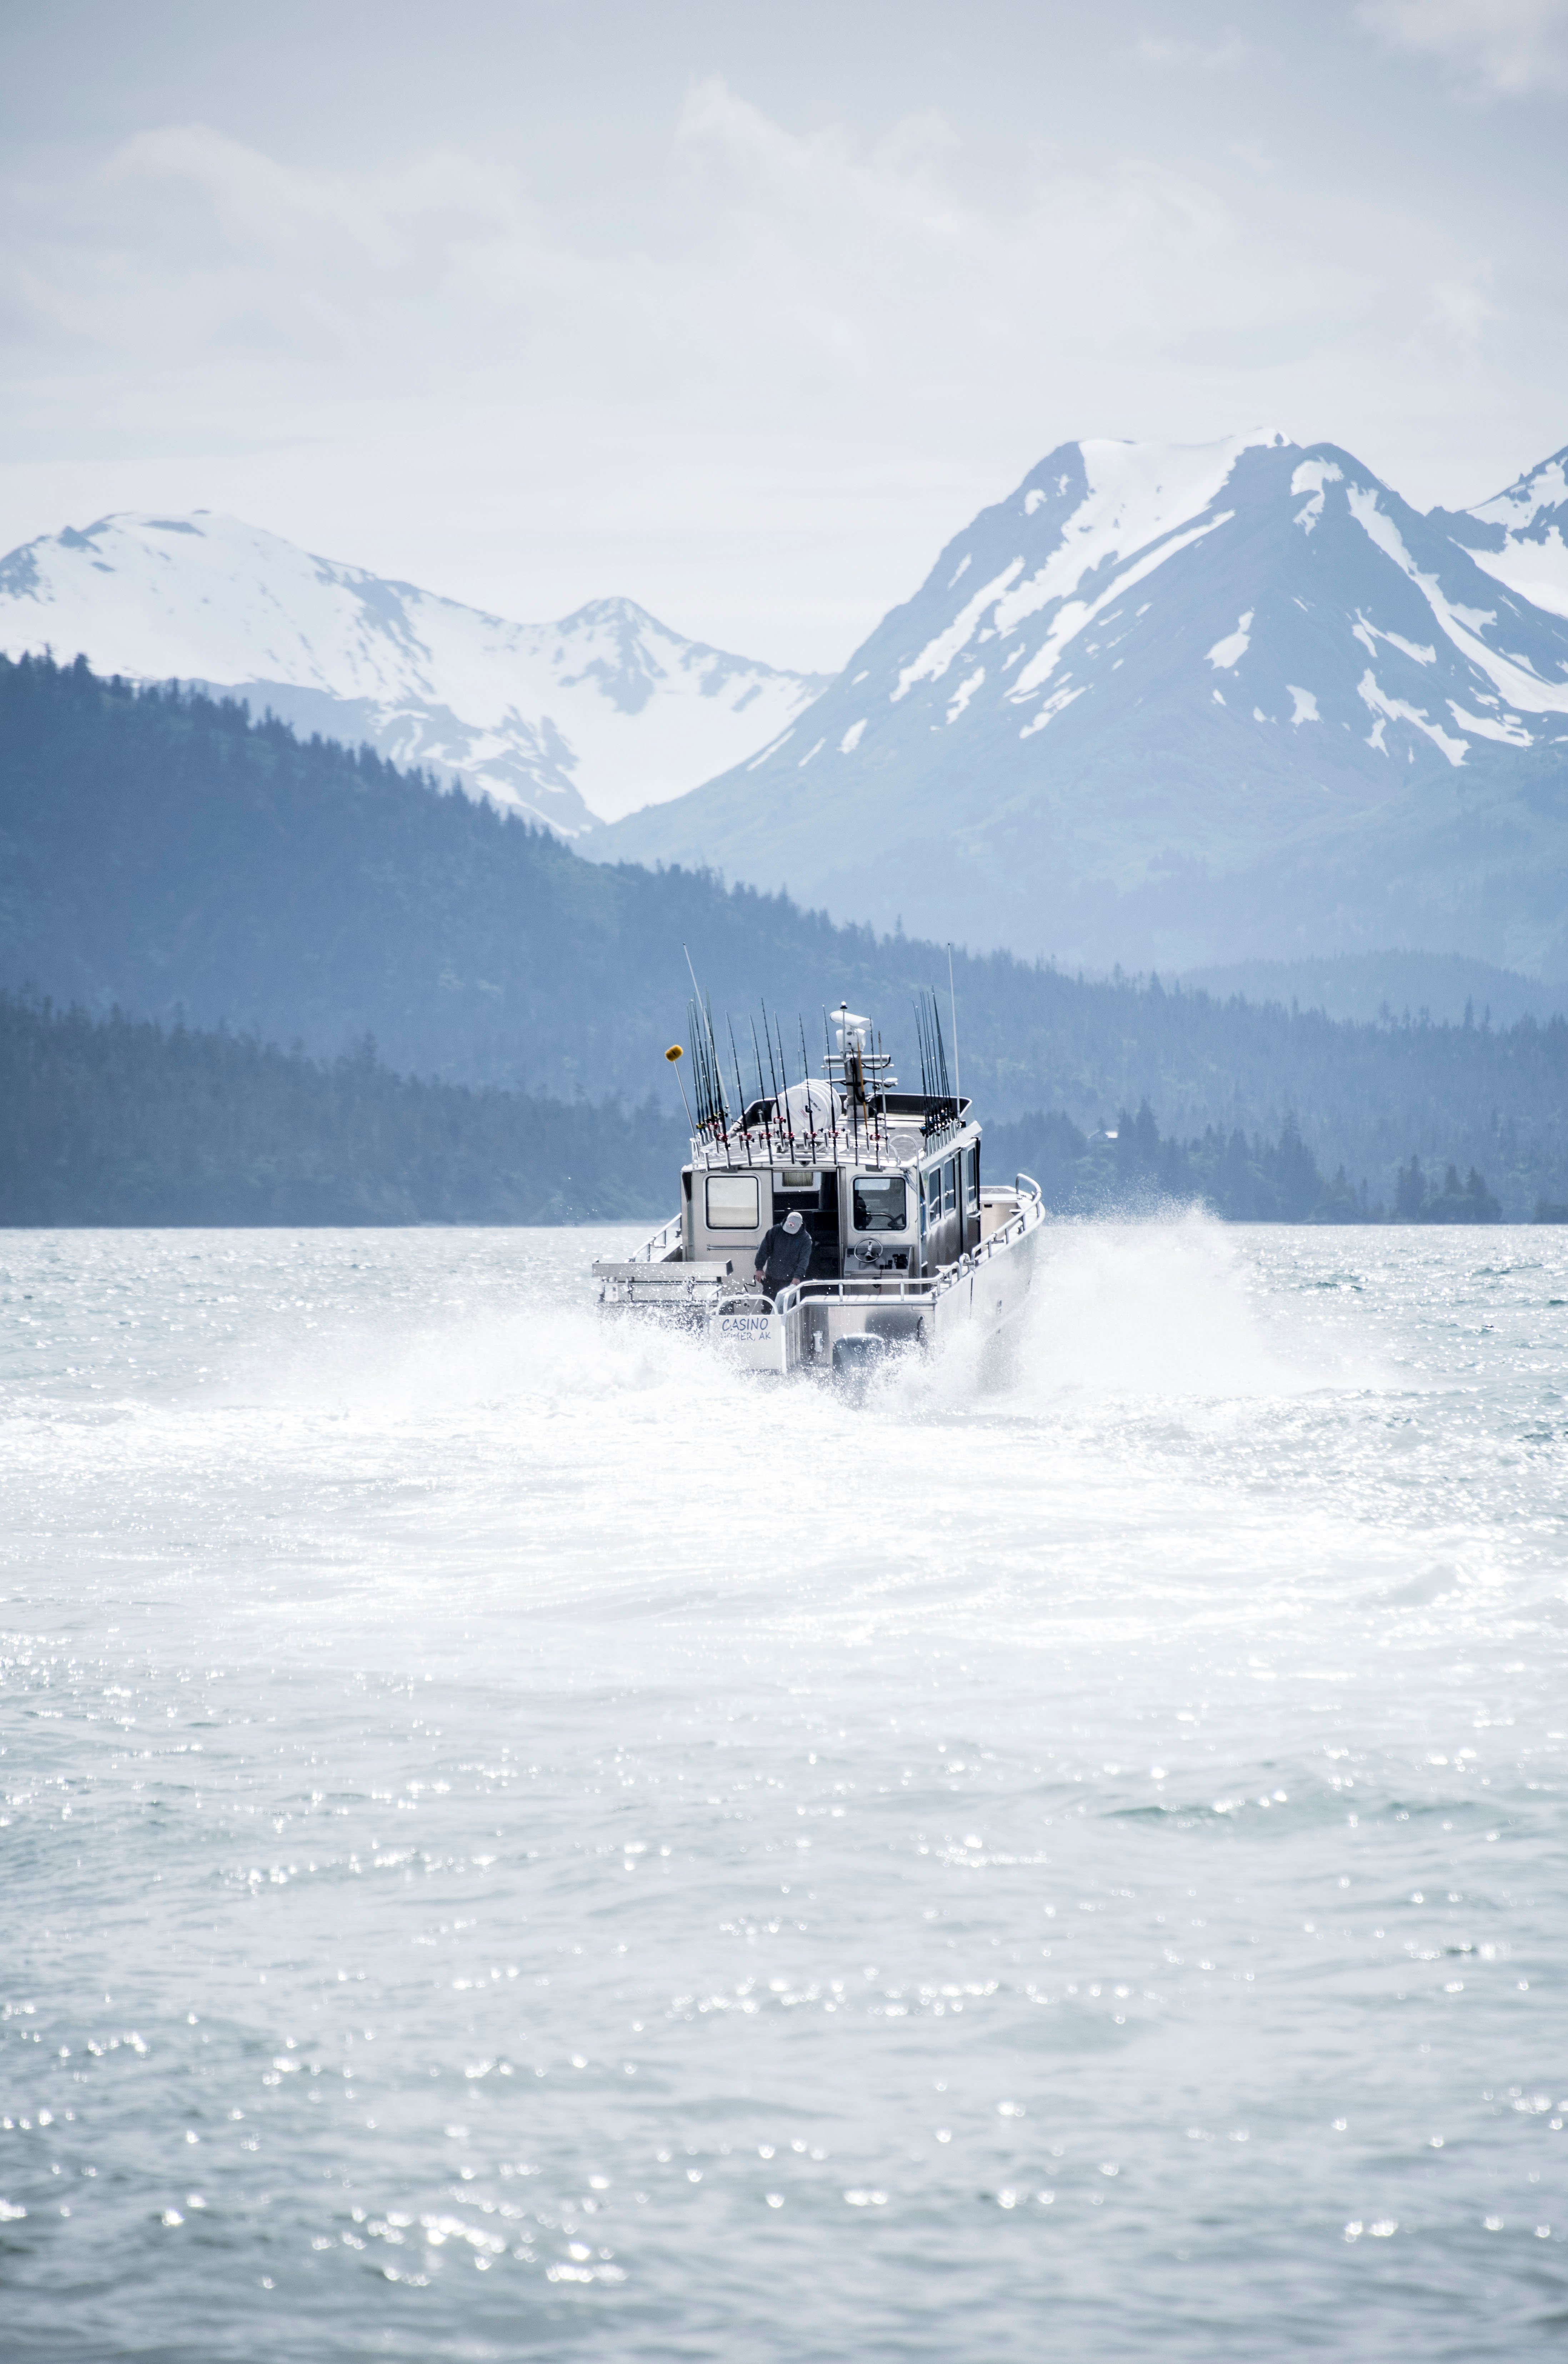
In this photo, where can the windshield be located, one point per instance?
(879, 1202)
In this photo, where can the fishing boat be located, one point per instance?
(909, 1245)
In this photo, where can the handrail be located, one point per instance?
(659, 1239)
(928, 1287)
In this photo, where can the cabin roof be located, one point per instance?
(903, 1129)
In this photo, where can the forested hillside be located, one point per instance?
(1128, 1166)
(161, 853)
(116, 1120)
(120, 1120)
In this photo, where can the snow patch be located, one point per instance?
(1399, 709)
(937, 654)
(807, 756)
(1517, 683)
(1053, 706)
(960, 569)
(1074, 615)
(851, 738)
(772, 749)
(963, 692)
(1507, 728)
(1311, 477)
(1227, 653)
(1369, 636)
(1305, 706)
(1535, 571)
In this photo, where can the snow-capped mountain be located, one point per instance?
(1519, 537)
(570, 723)
(1175, 706)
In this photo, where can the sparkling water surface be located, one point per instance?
(517, 1841)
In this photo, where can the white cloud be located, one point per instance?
(1500, 48)
(824, 271)
(1224, 56)
(756, 375)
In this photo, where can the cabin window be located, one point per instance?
(792, 1179)
(880, 1202)
(733, 1204)
(971, 1181)
(950, 1186)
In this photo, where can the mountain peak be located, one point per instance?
(1150, 674)
(567, 723)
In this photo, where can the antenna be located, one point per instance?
(952, 999)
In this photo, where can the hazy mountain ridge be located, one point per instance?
(564, 723)
(158, 853)
(1372, 987)
(1178, 707)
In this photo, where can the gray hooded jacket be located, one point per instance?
(784, 1257)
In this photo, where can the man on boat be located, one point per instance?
(784, 1255)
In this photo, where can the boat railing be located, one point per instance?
(657, 1273)
(865, 1292)
(1017, 1223)
(664, 1245)
(927, 1287)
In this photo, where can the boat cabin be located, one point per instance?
(889, 1203)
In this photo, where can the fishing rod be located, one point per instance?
(761, 1094)
(781, 1102)
(740, 1090)
(767, 1035)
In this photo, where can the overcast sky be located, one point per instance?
(742, 310)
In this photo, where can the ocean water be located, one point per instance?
(516, 1842)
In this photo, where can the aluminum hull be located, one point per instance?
(829, 1327)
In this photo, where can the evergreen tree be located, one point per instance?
(1410, 1191)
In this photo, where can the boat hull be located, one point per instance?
(845, 1327)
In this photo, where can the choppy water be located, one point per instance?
(516, 1843)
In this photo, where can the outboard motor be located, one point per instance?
(857, 1360)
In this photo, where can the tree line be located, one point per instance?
(119, 1119)
(1130, 1165)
